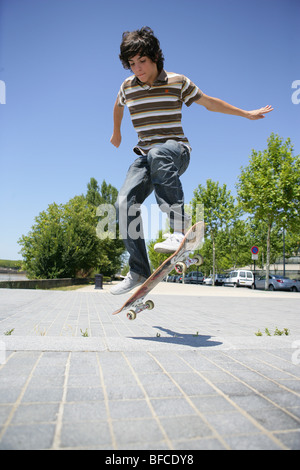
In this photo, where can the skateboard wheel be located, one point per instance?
(131, 315)
(149, 304)
(180, 267)
(200, 260)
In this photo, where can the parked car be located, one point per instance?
(275, 283)
(240, 278)
(194, 277)
(296, 286)
(219, 280)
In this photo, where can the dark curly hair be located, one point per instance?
(142, 42)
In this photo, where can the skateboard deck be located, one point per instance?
(179, 259)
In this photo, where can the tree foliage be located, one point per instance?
(156, 259)
(220, 212)
(269, 189)
(63, 241)
(96, 195)
(266, 211)
(110, 250)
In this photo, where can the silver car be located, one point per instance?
(194, 278)
(296, 286)
(275, 282)
(219, 280)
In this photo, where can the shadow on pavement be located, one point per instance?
(194, 340)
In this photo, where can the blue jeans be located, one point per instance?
(158, 171)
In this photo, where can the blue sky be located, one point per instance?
(59, 63)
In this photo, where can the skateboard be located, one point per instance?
(180, 260)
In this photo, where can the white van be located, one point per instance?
(240, 278)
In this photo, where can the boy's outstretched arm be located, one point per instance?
(220, 106)
(118, 116)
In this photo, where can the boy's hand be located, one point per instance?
(259, 113)
(118, 116)
(116, 140)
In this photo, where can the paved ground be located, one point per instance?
(190, 374)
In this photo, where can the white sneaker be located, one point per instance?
(171, 243)
(131, 281)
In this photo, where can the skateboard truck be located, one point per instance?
(182, 266)
(148, 305)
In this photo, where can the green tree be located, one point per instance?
(156, 259)
(62, 241)
(220, 211)
(233, 246)
(106, 194)
(258, 233)
(269, 188)
(109, 250)
(292, 243)
(93, 195)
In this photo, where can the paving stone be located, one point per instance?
(204, 382)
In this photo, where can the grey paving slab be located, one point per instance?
(190, 374)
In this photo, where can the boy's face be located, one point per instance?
(144, 69)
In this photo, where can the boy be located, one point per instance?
(154, 98)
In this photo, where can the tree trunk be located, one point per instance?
(268, 256)
(214, 260)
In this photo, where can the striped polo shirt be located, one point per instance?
(156, 110)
